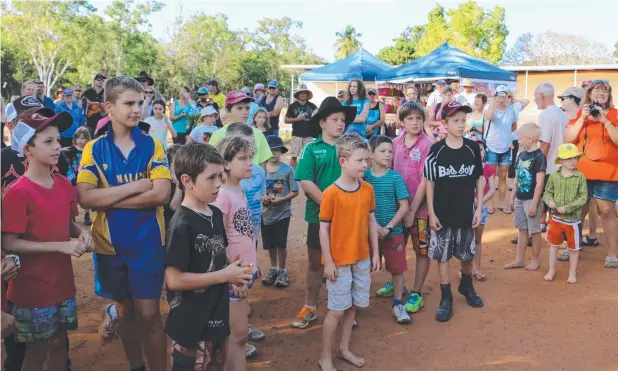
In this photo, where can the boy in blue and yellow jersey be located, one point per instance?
(124, 175)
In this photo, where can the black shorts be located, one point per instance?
(513, 167)
(275, 236)
(449, 242)
(313, 236)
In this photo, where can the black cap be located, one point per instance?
(213, 82)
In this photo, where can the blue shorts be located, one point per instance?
(484, 216)
(603, 190)
(120, 277)
(43, 323)
(493, 158)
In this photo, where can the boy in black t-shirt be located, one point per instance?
(526, 200)
(454, 173)
(197, 271)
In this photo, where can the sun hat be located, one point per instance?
(259, 87)
(203, 91)
(236, 96)
(273, 84)
(143, 76)
(502, 91)
(440, 83)
(573, 91)
(209, 111)
(567, 151)
(303, 89)
(453, 107)
(274, 142)
(68, 92)
(329, 106)
(466, 82)
(78, 87)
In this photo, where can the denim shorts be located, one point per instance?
(351, 287)
(603, 190)
(493, 158)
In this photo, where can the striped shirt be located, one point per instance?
(569, 192)
(388, 189)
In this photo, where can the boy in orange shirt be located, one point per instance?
(347, 228)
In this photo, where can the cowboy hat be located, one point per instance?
(303, 89)
(144, 76)
(329, 106)
(466, 82)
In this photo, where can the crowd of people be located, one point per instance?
(189, 215)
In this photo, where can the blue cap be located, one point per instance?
(203, 91)
(246, 90)
(68, 92)
(273, 84)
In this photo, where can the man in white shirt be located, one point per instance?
(467, 97)
(436, 96)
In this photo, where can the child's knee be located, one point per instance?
(149, 316)
(239, 335)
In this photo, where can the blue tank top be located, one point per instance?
(373, 116)
(180, 125)
(359, 104)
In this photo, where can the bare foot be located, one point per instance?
(533, 266)
(514, 265)
(352, 358)
(327, 365)
(572, 278)
(550, 275)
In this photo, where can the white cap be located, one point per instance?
(208, 111)
(20, 137)
(502, 91)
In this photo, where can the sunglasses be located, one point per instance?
(100, 79)
(272, 87)
(143, 80)
(600, 82)
(567, 97)
(78, 91)
(149, 92)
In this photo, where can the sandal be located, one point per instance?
(611, 262)
(565, 256)
(505, 210)
(589, 241)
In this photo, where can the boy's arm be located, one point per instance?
(538, 190)
(401, 212)
(12, 243)
(157, 196)
(178, 280)
(548, 194)
(91, 197)
(582, 196)
(325, 242)
(419, 197)
(373, 241)
(312, 190)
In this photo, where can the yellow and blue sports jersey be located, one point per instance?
(123, 231)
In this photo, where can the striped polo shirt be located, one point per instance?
(388, 189)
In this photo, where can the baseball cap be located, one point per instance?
(453, 107)
(573, 91)
(273, 84)
(259, 87)
(213, 82)
(68, 92)
(440, 83)
(203, 91)
(502, 91)
(372, 91)
(208, 111)
(341, 94)
(78, 87)
(38, 82)
(28, 102)
(236, 96)
(99, 76)
(246, 90)
(35, 120)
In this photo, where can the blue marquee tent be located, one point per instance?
(359, 65)
(446, 62)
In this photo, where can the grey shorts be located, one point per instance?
(523, 221)
(351, 287)
(449, 242)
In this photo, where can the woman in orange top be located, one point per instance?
(595, 132)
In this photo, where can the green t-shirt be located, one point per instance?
(317, 163)
(262, 150)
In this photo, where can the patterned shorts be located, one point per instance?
(202, 358)
(42, 323)
(449, 242)
(420, 234)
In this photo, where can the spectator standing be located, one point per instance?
(70, 105)
(259, 92)
(298, 115)
(215, 92)
(40, 95)
(436, 96)
(468, 96)
(273, 105)
(92, 103)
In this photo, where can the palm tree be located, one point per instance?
(347, 42)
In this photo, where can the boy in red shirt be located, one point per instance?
(41, 229)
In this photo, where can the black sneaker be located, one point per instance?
(467, 290)
(271, 277)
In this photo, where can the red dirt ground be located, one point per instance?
(526, 324)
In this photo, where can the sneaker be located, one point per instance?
(400, 314)
(87, 220)
(271, 277)
(282, 279)
(414, 303)
(305, 317)
(250, 351)
(387, 291)
(255, 334)
(107, 328)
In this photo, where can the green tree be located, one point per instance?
(616, 51)
(405, 46)
(347, 42)
(436, 32)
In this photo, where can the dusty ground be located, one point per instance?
(526, 324)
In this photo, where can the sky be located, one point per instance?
(380, 21)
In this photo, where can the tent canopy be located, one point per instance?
(446, 62)
(359, 65)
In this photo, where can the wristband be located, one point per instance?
(15, 259)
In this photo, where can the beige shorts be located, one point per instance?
(298, 144)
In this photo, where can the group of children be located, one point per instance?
(365, 200)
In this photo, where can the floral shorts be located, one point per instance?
(204, 357)
(43, 323)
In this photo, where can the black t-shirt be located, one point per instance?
(528, 165)
(194, 246)
(74, 157)
(13, 167)
(301, 128)
(454, 173)
(93, 111)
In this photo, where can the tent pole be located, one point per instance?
(292, 92)
(575, 78)
(336, 88)
(526, 89)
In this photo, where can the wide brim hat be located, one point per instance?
(329, 106)
(144, 76)
(567, 151)
(467, 82)
(303, 89)
(275, 142)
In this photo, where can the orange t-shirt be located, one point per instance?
(348, 215)
(600, 159)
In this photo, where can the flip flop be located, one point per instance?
(505, 210)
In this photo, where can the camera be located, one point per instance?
(595, 109)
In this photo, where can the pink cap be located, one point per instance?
(236, 96)
(453, 106)
(101, 123)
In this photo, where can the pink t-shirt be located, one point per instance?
(488, 172)
(238, 227)
(409, 162)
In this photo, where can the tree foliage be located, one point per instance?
(347, 42)
(551, 48)
(405, 46)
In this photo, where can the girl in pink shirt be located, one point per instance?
(238, 154)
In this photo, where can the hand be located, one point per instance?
(434, 223)
(383, 232)
(240, 291)
(478, 215)
(74, 248)
(532, 210)
(369, 129)
(551, 205)
(277, 200)
(265, 200)
(237, 274)
(375, 263)
(9, 325)
(142, 185)
(408, 219)
(561, 209)
(330, 271)
(183, 114)
(9, 269)
(585, 111)
(86, 239)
